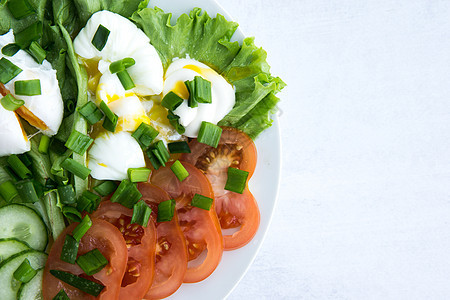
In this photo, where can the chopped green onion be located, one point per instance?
(192, 101)
(179, 170)
(61, 295)
(18, 166)
(27, 87)
(83, 284)
(121, 65)
(111, 118)
(126, 80)
(209, 134)
(25, 272)
(39, 188)
(202, 202)
(26, 191)
(44, 144)
(141, 214)
(126, 194)
(166, 210)
(8, 191)
(12, 174)
(67, 194)
(20, 8)
(171, 101)
(37, 52)
(25, 159)
(10, 49)
(153, 159)
(8, 70)
(174, 121)
(91, 112)
(88, 201)
(106, 188)
(78, 142)
(138, 174)
(57, 146)
(161, 153)
(145, 134)
(92, 262)
(69, 250)
(100, 37)
(11, 103)
(28, 35)
(202, 90)
(82, 228)
(236, 180)
(75, 168)
(50, 184)
(179, 147)
(71, 213)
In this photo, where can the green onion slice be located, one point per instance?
(37, 52)
(69, 249)
(100, 37)
(160, 150)
(121, 65)
(145, 134)
(126, 194)
(83, 284)
(209, 134)
(82, 228)
(202, 202)
(91, 112)
(27, 87)
(25, 272)
(88, 202)
(174, 120)
(8, 70)
(78, 142)
(11, 103)
(92, 262)
(8, 191)
(153, 159)
(236, 180)
(179, 170)
(67, 194)
(10, 49)
(20, 8)
(18, 166)
(126, 80)
(138, 174)
(171, 101)
(141, 213)
(28, 35)
(202, 90)
(44, 143)
(166, 210)
(111, 118)
(71, 213)
(75, 168)
(26, 191)
(61, 295)
(179, 147)
(192, 101)
(106, 188)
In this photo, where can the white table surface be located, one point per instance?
(364, 204)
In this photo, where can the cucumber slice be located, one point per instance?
(23, 223)
(32, 290)
(10, 286)
(9, 247)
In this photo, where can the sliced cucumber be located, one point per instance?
(10, 286)
(32, 290)
(23, 223)
(9, 247)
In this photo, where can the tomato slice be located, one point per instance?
(200, 227)
(141, 243)
(235, 211)
(106, 238)
(171, 251)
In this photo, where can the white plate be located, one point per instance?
(264, 184)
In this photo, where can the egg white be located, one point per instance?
(12, 137)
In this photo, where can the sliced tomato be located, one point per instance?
(106, 238)
(235, 211)
(141, 244)
(171, 251)
(200, 227)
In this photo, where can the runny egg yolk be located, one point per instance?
(94, 75)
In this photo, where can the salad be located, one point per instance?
(126, 146)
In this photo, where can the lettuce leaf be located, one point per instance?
(207, 40)
(7, 21)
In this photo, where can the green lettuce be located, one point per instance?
(207, 40)
(7, 21)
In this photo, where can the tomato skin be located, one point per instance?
(171, 251)
(141, 255)
(109, 241)
(234, 210)
(200, 227)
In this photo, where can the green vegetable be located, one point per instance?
(179, 170)
(209, 134)
(236, 180)
(166, 210)
(202, 202)
(10, 103)
(92, 262)
(8, 70)
(100, 37)
(141, 214)
(69, 249)
(106, 188)
(85, 285)
(82, 228)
